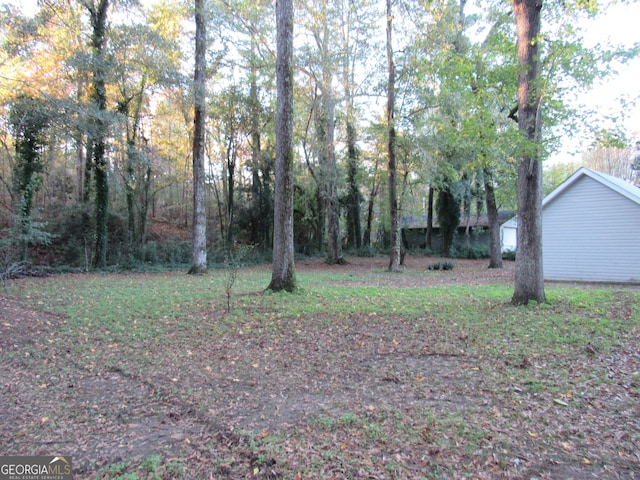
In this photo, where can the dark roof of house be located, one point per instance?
(473, 220)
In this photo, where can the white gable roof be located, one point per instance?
(616, 184)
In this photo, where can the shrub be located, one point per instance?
(474, 252)
(73, 236)
(509, 255)
(366, 251)
(174, 251)
(150, 252)
(440, 266)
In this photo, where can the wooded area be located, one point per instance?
(107, 133)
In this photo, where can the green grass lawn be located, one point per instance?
(154, 378)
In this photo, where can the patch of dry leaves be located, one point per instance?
(353, 397)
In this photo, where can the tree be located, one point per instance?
(529, 279)
(394, 254)
(470, 134)
(283, 275)
(248, 34)
(232, 127)
(452, 89)
(375, 175)
(448, 210)
(144, 60)
(337, 59)
(321, 64)
(355, 52)
(98, 135)
(495, 246)
(354, 197)
(491, 91)
(613, 155)
(334, 243)
(29, 120)
(261, 208)
(199, 226)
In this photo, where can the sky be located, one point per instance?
(619, 26)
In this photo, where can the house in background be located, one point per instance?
(591, 229)
(414, 230)
(509, 235)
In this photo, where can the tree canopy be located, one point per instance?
(113, 84)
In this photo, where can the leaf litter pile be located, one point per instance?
(364, 374)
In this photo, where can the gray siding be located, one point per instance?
(591, 233)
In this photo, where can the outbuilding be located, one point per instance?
(591, 229)
(509, 235)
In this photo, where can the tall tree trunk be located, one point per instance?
(267, 202)
(404, 244)
(354, 228)
(256, 203)
(320, 174)
(394, 254)
(101, 202)
(219, 205)
(429, 232)
(81, 161)
(448, 209)
(223, 197)
(144, 207)
(80, 164)
(131, 109)
(495, 249)
(29, 123)
(98, 17)
(334, 245)
(231, 162)
(466, 208)
(366, 241)
(321, 217)
(354, 197)
(88, 170)
(529, 278)
(256, 183)
(283, 275)
(130, 189)
(199, 227)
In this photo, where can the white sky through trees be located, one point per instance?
(617, 27)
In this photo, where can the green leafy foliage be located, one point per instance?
(448, 209)
(29, 119)
(474, 250)
(509, 255)
(366, 251)
(152, 468)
